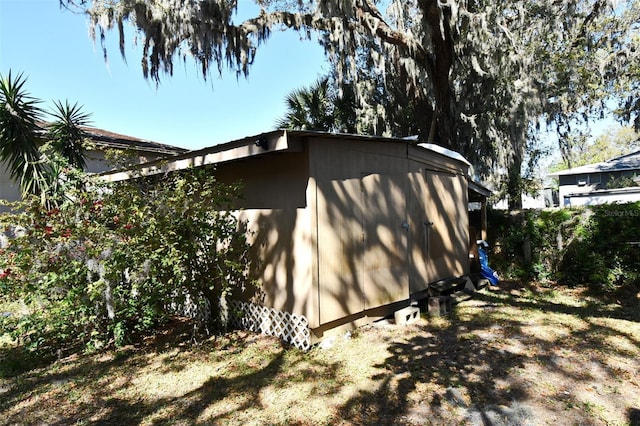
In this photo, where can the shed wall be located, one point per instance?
(280, 226)
(276, 181)
(281, 250)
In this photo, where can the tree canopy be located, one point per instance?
(613, 143)
(484, 76)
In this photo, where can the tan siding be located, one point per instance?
(361, 209)
(337, 173)
(418, 230)
(277, 182)
(447, 210)
(439, 224)
(385, 232)
(312, 207)
(283, 254)
(280, 226)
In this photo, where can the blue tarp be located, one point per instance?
(485, 269)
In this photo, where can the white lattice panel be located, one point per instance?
(293, 329)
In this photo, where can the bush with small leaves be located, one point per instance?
(113, 262)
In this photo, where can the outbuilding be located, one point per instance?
(346, 228)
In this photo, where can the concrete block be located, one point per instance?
(407, 315)
(468, 285)
(439, 305)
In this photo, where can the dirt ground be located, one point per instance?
(524, 357)
(511, 355)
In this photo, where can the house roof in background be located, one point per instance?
(629, 161)
(118, 141)
(109, 139)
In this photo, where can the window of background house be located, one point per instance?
(582, 180)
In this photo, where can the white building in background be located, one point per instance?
(528, 202)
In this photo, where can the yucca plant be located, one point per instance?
(65, 132)
(20, 135)
(27, 149)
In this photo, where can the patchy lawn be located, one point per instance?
(511, 355)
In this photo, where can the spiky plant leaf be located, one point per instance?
(66, 134)
(20, 134)
(309, 108)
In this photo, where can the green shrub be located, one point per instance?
(595, 246)
(115, 261)
(529, 244)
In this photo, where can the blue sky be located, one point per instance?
(54, 51)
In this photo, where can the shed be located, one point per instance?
(345, 227)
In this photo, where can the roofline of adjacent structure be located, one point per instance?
(261, 144)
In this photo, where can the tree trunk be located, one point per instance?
(439, 68)
(514, 183)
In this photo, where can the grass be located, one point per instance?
(513, 355)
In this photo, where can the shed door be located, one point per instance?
(362, 254)
(384, 236)
(445, 231)
(340, 248)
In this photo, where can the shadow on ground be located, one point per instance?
(475, 366)
(101, 390)
(471, 367)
